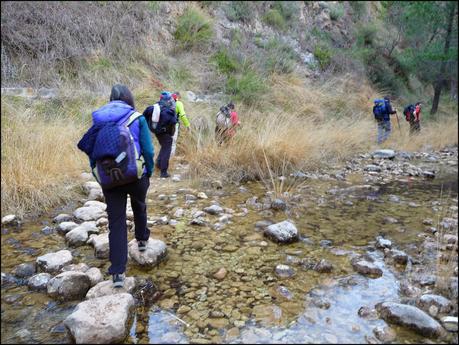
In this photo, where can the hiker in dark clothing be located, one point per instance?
(164, 113)
(120, 111)
(384, 125)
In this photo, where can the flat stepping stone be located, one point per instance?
(105, 288)
(155, 252)
(101, 320)
(53, 262)
(88, 213)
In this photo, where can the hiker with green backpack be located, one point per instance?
(382, 110)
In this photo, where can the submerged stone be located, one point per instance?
(283, 232)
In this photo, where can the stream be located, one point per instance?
(252, 304)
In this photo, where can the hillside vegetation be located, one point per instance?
(303, 76)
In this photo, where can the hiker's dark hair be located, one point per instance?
(122, 93)
(231, 105)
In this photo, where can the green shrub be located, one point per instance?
(323, 56)
(239, 11)
(366, 34)
(275, 19)
(246, 87)
(282, 57)
(336, 11)
(225, 63)
(193, 29)
(287, 9)
(180, 76)
(359, 8)
(236, 37)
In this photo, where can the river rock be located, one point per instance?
(428, 174)
(65, 227)
(323, 266)
(79, 235)
(284, 271)
(383, 243)
(450, 323)
(95, 203)
(89, 213)
(190, 197)
(87, 186)
(9, 219)
(384, 334)
(367, 268)
(450, 239)
(385, 154)
(39, 281)
(106, 288)
(279, 205)
(81, 267)
(96, 194)
(426, 301)
(214, 209)
(373, 168)
(261, 224)
(101, 245)
(220, 274)
(267, 315)
(69, 286)
(283, 232)
(394, 198)
(95, 276)
(101, 320)
(390, 220)
(53, 262)
(25, 270)
(156, 252)
(62, 217)
(202, 195)
(409, 316)
(398, 256)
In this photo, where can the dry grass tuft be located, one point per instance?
(39, 159)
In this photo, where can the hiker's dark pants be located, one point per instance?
(415, 127)
(165, 140)
(116, 199)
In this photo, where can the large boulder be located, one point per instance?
(53, 262)
(101, 245)
(88, 213)
(283, 232)
(69, 286)
(411, 317)
(156, 251)
(101, 320)
(106, 288)
(79, 235)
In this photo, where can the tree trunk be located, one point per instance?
(441, 77)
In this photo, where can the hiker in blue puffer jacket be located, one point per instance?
(119, 109)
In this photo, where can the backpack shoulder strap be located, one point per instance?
(134, 116)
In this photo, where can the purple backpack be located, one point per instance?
(117, 159)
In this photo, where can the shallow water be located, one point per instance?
(309, 307)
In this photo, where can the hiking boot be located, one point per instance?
(164, 175)
(142, 245)
(118, 280)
